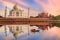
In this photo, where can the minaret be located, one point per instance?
(5, 11)
(28, 12)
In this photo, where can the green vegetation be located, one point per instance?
(56, 18)
(56, 24)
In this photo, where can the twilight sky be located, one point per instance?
(50, 6)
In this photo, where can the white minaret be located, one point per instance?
(5, 12)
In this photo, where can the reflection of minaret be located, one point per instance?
(21, 28)
(5, 30)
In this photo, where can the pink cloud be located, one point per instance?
(20, 2)
(23, 3)
(8, 4)
(53, 6)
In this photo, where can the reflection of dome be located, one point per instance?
(1, 25)
(16, 35)
(15, 7)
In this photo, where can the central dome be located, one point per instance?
(15, 7)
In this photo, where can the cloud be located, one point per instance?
(8, 4)
(20, 2)
(52, 7)
(1, 12)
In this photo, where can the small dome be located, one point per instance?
(15, 7)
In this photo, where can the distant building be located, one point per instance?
(43, 15)
(15, 12)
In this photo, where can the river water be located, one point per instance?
(24, 33)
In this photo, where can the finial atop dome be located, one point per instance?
(16, 7)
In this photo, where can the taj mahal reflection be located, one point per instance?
(18, 30)
(15, 30)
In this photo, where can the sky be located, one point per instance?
(49, 6)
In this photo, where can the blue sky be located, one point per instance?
(32, 3)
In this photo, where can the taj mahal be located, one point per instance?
(15, 12)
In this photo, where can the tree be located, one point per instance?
(56, 18)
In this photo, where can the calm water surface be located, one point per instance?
(23, 32)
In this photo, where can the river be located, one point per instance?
(24, 33)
